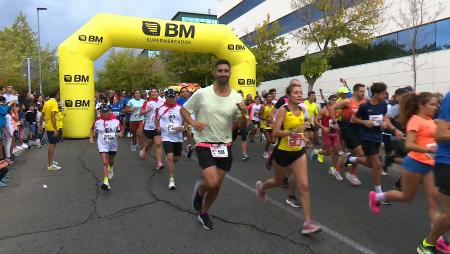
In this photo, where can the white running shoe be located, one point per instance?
(266, 155)
(133, 147)
(53, 168)
(55, 163)
(172, 185)
(384, 173)
(336, 174)
(110, 172)
(353, 179)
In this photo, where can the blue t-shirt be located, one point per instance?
(443, 151)
(181, 101)
(375, 113)
(3, 111)
(115, 108)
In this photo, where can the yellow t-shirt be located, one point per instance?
(59, 120)
(266, 119)
(292, 142)
(49, 107)
(313, 110)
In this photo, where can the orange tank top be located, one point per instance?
(350, 111)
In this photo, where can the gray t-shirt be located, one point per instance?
(217, 112)
(394, 111)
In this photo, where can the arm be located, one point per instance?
(277, 132)
(336, 106)
(53, 117)
(388, 125)
(318, 123)
(412, 146)
(157, 122)
(91, 136)
(261, 111)
(41, 120)
(443, 131)
(323, 97)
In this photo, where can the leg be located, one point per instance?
(432, 193)
(105, 161)
(280, 173)
(268, 140)
(140, 134)
(212, 180)
(410, 184)
(300, 170)
(170, 164)
(335, 154)
(375, 164)
(111, 160)
(158, 149)
(442, 222)
(51, 153)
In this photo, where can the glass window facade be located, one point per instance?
(199, 20)
(430, 37)
(239, 10)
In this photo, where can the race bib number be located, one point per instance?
(377, 120)
(219, 151)
(172, 128)
(116, 113)
(431, 155)
(109, 137)
(330, 123)
(295, 140)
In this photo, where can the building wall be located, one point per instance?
(433, 66)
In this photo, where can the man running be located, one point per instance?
(313, 111)
(216, 107)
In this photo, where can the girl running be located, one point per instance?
(136, 119)
(289, 153)
(265, 115)
(149, 110)
(417, 112)
(170, 123)
(108, 129)
(254, 110)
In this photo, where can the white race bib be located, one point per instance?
(377, 120)
(172, 128)
(219, 151)
(431, 155)
(109, 137)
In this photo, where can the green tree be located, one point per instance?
(351, 21)
(269, 50)
(313, 67)
(17, 42)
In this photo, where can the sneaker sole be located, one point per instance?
(104, 187)
(292, 205)
(307, 232)
(172, 188)
(202, 223)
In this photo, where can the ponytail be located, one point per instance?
(409, 105)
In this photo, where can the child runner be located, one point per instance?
(108, 129)
(170, 123)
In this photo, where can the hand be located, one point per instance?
(326, 129)
(368, 123)
(55, 134)
(300, 129)
(399, 134)
(180, 129)
(158, 129)
(199, 126)
(91, 140)
(241, 106)
(307, 142)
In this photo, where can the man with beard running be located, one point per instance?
(215, 107)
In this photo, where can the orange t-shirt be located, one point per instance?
(425, 136)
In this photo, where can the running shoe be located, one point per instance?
(442, 246)
(5, 180)
(53, 168)
(292, 201)
(110, 172)
(353, 179)
(266, 155)
(321, 158)
(384, 172)
(3, 184)
(261, 194)
(55, 163)
(385, 203)
(133, 147)
(205, 221)
(374, 205)
(197, 199)
(313, 155)
(172, 184)
(336, 174)
(245, 157)
(426, 250)
(105, 185)
(142, 154)
(310, 227)
(160, 167)
(189, 151)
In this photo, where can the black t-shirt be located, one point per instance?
(375, 113)
(30, 116)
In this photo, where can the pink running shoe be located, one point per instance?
(261, 194)
(310, 227)
(142, 154)
(373, 204)
(442, 246)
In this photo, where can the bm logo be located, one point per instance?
(247, 82)
(171, 30)
(76, 78)
(236, 47)
(90, 39)
(77, 103)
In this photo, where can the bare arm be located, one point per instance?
(411, 144)
(41, 120)
(336, 106)
(443, 131)
(388, 125)
(54, 121)
(277, 132)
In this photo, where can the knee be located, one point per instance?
(212, 184)
(176, 158)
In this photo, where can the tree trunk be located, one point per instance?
(414, 69)
(310, 84)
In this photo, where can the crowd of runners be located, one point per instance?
(358, 125)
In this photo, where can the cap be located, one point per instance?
(104, 107)
(343, 90)
(170, 93)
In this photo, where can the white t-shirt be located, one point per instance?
(10, 97)
(254, 112)
(136, 106)
(169, 120)
(217, 112)
(161, 99)
(107, 140)
(153, 106)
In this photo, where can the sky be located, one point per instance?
(64, 17)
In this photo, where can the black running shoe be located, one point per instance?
(205, 221)
(189, 151)
(385, 202)
(197, 199)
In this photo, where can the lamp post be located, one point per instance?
(39, 50)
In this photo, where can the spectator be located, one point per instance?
(49, 112)
(10, 96)
(3, 112)
(30, 122)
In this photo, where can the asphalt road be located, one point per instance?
(140, 214)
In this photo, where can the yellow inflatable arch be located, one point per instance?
(78, 53)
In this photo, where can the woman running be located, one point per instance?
(149, 110)
(136, 119)
(417, 112)
(289, 153)
(265, 114)
(254, 110)
(108, 129)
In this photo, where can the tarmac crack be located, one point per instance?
(224, 220)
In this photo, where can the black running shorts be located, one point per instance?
(286, 158)
(350, 135)
(150, 134)
(173, 147)
(370, 148)
(442, 178)
(206, 160)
